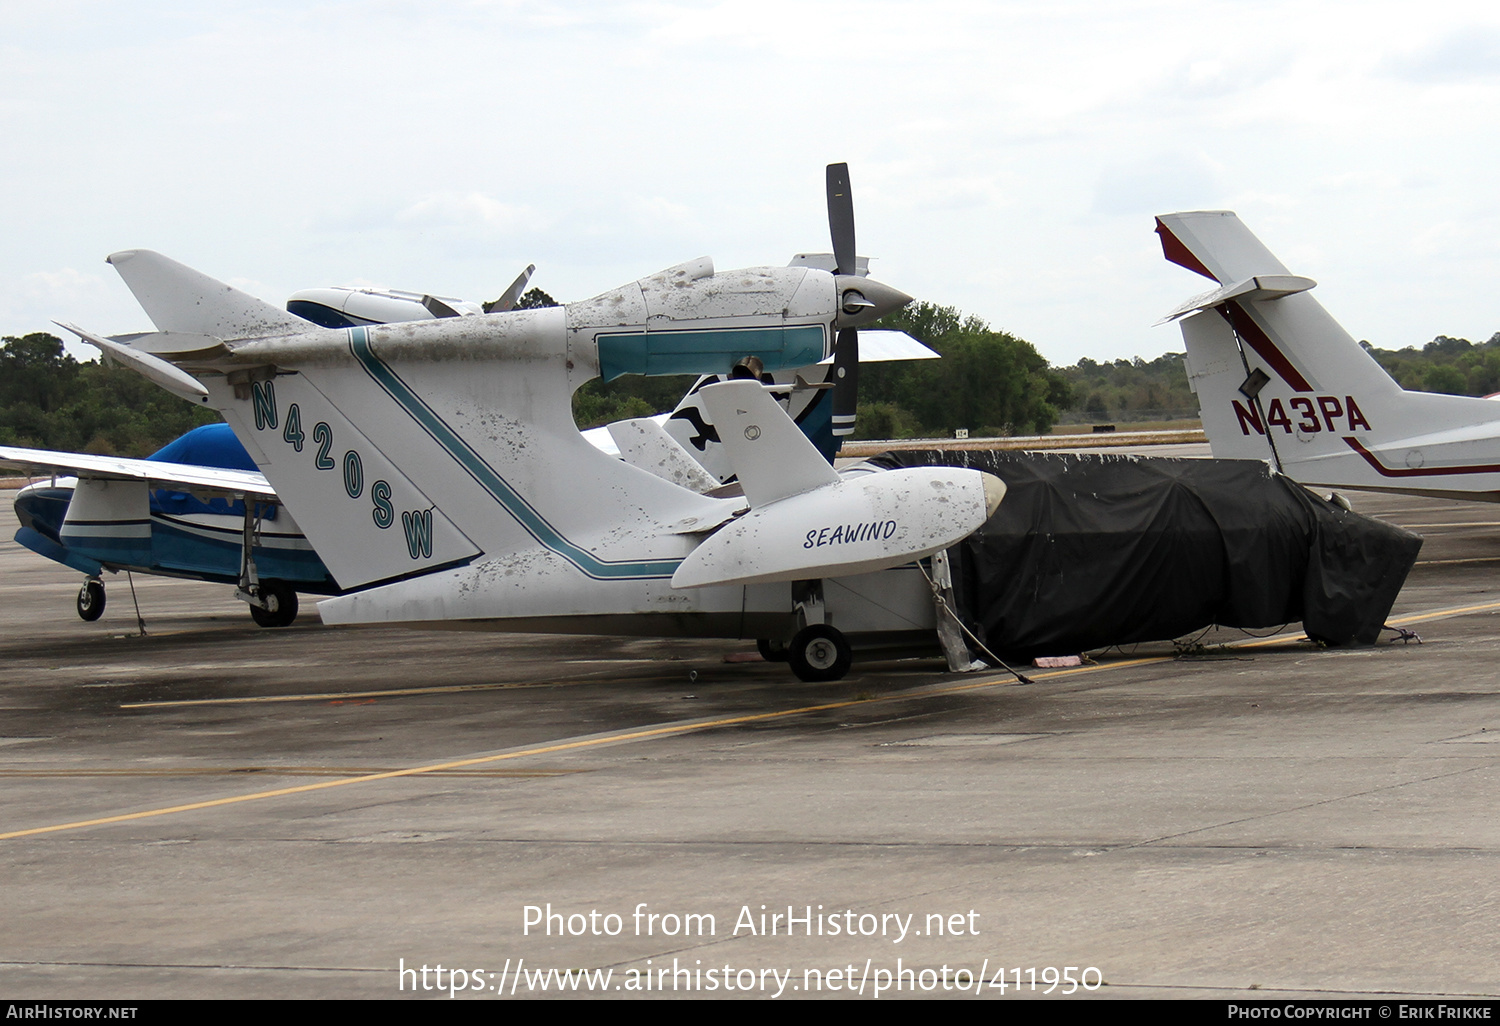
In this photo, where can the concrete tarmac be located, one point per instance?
(216, 810)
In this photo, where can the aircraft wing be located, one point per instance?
(881, 345)
(179, 476)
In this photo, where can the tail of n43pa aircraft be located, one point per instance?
(1278, 379)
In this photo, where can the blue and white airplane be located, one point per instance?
(196, 509)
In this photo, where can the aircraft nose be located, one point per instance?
(39, 510)
(994, 491)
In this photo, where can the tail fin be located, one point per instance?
(774, 460)
(1277, 378)
(1215, 244)
(180, 299)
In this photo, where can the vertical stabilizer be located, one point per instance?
(1215, 372)
(772, 457)
(178, 298)
(1215, 244)
(1277, 378)
(645, 444)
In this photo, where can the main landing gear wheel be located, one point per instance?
(281, 605)
(818, 653)
(771, 651)
(91, 601)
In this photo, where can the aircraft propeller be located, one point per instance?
(513, 294)
(860, 299)
(846, 345)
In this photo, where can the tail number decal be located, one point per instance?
(384, 513)
(416, 524)
(1328, 414)
(263, 396)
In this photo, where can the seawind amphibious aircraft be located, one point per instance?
(201, 536)
(435, 467)
(1278, 379)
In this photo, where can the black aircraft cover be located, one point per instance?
(1088, 551)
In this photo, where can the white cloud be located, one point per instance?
(1465, 54)
(1167, 181)
(1006, 157)
(469, 211)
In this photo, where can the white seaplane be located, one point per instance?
(435, 467)
(1278, 379)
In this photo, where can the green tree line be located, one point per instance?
(988, 381)
(1137, 390)
(48, 400)
(1454, 366)
(1130, 390)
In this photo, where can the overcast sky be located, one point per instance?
(1006, 158)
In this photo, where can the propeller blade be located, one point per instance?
(513, 294)
(438, 308)
(845, 381)
(841, 218)
(846, 348)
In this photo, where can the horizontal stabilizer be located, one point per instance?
(1265, 286)
(828, 262)
(772, 457)
(152, 368)
(178, 476)
(175, 344)
(178, 298)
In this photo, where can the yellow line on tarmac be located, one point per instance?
(268, 771)
(1438, 614)
(632, 735)
(666, 730)
(1434, 614)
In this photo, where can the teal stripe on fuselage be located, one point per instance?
(712, 351)
(513, 502)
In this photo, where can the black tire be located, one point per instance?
(281, 605)
(819, 653)
(91, 601)
(771, 651)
